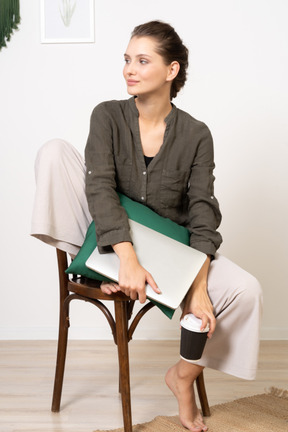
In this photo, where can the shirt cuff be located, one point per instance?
(205, 247)
(113, 237)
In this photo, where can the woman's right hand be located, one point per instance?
(132, 276)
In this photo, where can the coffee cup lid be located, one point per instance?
(192, 323)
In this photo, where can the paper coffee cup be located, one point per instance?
(192, 338)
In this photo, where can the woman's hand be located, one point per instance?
(198, 302)
(132, 276)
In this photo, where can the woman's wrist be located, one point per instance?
(200, 282)
(125, 251)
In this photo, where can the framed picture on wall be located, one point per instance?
(67, 21)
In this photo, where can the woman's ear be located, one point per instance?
(173, 70)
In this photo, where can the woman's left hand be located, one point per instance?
(198, 302)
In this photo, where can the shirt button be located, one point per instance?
(89, 172)
(144, 172)
(212, 197)
(142, 198)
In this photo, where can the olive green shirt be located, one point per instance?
(177, 184)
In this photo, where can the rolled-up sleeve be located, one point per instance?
(203, 207)
(110, 218)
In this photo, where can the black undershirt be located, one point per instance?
(148, 159)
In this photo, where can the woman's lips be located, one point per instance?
(131, 82)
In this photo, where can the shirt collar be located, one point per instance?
(167, 119)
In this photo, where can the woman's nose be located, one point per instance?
(130, 68)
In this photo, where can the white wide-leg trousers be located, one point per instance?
(61, 218)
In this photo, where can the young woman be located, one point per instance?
(149, 150)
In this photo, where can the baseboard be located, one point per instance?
(93, 333)
(274, 333)
(82, 333)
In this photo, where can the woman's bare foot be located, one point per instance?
(180, 379)
(109, 287)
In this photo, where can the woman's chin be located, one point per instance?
(131, 92)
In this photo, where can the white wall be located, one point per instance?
(238, 86)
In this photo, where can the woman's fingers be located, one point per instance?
(212, 326)
(141, 295)
(152, 283)
(134, 290)
(208, 319)
(139, 291)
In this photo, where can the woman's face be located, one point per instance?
(145, 71)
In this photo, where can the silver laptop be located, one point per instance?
(172, 264)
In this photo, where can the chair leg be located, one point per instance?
(61, 357)
(202, 395)
(123, 356)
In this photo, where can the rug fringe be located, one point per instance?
(274, 391)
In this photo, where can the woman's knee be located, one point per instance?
(52, 150)
(251, 291)
(55, 154)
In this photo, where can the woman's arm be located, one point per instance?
(111, 221)
(203, 208)
(204, 219)
(110, 217)
(197, 300)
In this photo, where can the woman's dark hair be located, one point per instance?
(170, 47)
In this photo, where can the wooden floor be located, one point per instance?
(90, 395)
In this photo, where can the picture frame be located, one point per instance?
(67, 21)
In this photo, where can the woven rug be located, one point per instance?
(266, 412)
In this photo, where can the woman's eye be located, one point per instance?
(143, 61)
(127, 61)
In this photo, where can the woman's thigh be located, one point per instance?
(228, 282)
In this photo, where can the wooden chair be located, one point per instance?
(79, 288)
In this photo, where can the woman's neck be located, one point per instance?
(152, 126)
(153, 110)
